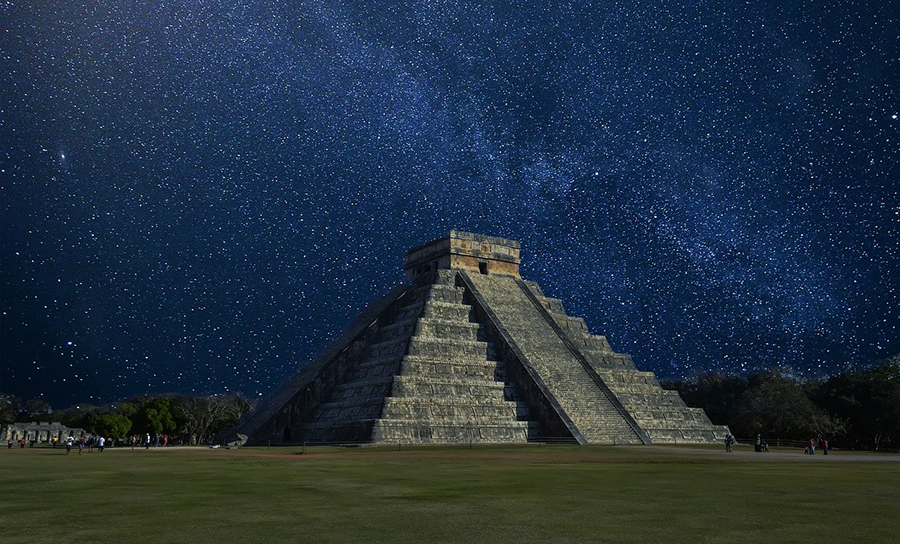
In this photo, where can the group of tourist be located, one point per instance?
(810, 448)
(100, 442)
(157, 440)
(761, 446)
(89, 442)
(84, 442)
(21, 441)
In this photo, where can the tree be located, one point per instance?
(206, 416)
(77, 415)
(830, 427)
(110, 424)
(9, 408)
(869, 401)
(154, 416)
(718, 394)
(775, 404)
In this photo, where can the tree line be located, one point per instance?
(855, 410)
(193, 419)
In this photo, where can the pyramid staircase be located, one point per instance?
(660, 412)
(592, 408)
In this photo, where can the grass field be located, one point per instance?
(449, 494)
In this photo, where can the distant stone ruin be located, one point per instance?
(470, 352)
(43, 432)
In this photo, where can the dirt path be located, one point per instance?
(528, 454)
(615, 455)
(781, 454)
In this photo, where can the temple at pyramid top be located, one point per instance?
(465, 251)
(468, 351)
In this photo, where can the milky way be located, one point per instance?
(197, 196)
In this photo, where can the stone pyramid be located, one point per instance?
(470, 352)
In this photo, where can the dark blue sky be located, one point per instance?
(197, 195)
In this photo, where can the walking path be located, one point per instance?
(744, 452)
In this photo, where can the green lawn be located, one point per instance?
(451, 494)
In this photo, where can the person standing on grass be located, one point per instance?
(9, 443)
(69, 442)
(757, 446)
(81, 442)
(147, 441)
(100, 443)
(824, 446)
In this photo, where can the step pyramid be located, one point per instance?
(469, 352)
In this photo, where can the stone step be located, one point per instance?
(625, 375)
(601, 439)
(450, 401)
(414, 386)
(633, 390)
(678, 436)
(450, 349)
(349, 409)
(393, 346)
(635, 400)
(590, 343)
(607, 359)
(448, 413)
(636, 388)
(366, 387)
(411, 365)
(377, 368)
(352, 432)
(552, 304)
(410, 311)
(381, 361)
(446, 293)
(448, 329)
(575, 327)
(402, 328)
(420, 432)
(639, 385)
(418, 292)
(450, 379)
(683, 425)
(672, 413)
(447, 311)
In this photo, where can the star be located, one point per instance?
(247, 184)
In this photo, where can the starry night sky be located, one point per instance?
(197, 196)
